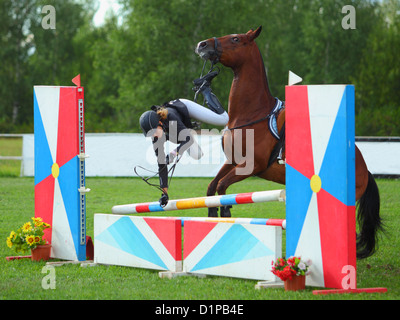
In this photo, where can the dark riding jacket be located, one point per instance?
(177, 120)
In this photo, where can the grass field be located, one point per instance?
(10, 147)
(21, 280)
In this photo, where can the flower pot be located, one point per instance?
(297, 283)
(41, 252)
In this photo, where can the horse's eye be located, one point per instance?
(235, 39)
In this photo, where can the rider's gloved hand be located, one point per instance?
(170, 158)
(163, 200)
(205, 81)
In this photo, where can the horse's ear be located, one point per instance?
(254, 34)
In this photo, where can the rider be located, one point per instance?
(174, 119)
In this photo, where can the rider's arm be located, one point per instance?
(162, 166)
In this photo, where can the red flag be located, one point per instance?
(77, 80)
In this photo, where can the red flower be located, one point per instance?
(285, 269)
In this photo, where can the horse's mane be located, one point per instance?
(264, 71)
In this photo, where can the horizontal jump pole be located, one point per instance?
(202, 202)
(265, 222)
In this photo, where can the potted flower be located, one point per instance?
(292, 272)
(29, 237)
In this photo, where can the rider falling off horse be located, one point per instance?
(172, 122)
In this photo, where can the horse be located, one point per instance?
(250, 105)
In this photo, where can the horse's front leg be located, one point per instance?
(212, 187)
(236, 174)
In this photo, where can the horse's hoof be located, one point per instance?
(213, 212)
(226, 211)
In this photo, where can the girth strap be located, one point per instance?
(272, 116)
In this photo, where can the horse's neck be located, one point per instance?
(250, 94)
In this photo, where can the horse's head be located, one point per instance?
(230, 50)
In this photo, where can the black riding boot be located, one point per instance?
(203, 85)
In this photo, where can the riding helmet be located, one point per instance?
(148, 121)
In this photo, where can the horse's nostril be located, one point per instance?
(203, 44)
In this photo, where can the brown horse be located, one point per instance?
(250, 104)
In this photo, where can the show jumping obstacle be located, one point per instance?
(234, 249)
(60, 168)
(263, 222)
(223, 247)
(202, 202)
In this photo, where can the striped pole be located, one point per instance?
(202, 202)
(265, 222)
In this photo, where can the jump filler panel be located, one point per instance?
(60, 168)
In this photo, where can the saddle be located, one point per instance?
(276, 154)
(272, 123)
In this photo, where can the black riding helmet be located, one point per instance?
(148, 121)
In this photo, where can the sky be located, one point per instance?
(104, 6)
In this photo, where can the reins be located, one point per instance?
(251, 123)
(155, 174)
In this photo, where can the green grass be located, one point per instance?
(22, 279)
(10, 147)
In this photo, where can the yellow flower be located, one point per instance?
(9, 242)
(37, 221)
(13, 235)
(37, 239)
(27, 227)
(30, 240)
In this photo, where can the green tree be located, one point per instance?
(15, 43)
(102, 76)
(149, 58)
(57, 56)
(378, 77)
(32, 55)
(333, 53)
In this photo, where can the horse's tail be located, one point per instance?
(368, 219)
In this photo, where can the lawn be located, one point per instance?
(10, 146)
(22, 279)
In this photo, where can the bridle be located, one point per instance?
(213, 62)
(217, 52)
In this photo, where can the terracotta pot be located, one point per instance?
(297, 283)
(41, 252)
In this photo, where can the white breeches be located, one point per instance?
(200, 113)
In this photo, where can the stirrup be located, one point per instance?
(280, 160)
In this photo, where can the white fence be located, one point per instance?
(382, 155)
(116, 154)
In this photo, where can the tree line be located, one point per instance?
(144, 54)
